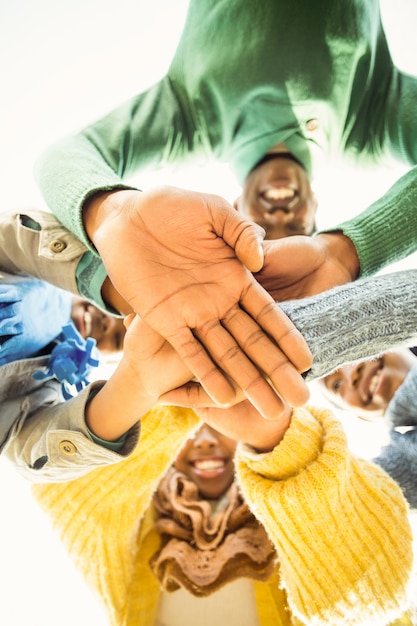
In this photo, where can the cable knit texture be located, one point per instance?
(339, 525)
(357, 321)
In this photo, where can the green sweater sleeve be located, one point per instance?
(386, 231)
(147, 131)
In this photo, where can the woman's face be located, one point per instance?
(207, 460)
(369, 386)
(108, 331)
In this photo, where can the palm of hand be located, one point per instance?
(180, 273)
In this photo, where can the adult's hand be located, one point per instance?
(174, 256)
(241, 421)
(297, 267)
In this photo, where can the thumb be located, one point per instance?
(245, 237)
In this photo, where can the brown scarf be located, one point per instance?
(202, 551)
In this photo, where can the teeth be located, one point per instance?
(88, 323)
(279, 193)
(373, 383)
(209, 464)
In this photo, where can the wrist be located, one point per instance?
(102, 208)
(113, 298)
(339, 247)
(272, 434)
(119, 405)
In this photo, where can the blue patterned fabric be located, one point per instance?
(32, 314)
(71, 361)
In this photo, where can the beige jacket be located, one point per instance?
(43, 436)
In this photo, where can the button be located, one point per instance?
(67, 447)
(312, 125)
(57, 245)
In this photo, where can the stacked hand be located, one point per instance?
(183, 261)
(297, 267)
(153, 366)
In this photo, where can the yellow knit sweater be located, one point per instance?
(339, 524)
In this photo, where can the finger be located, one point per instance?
(272, 320)
(267, 356)
(226, 352)
(149, 342)
(191, 395)
(128, 320)
(203, 368)
(194, 396)
(244, 236)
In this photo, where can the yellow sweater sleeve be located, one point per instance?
(99, 516)
(340, 524)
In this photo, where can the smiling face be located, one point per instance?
(207, 460)
(277, 195)
(369, 386)
(108, 331)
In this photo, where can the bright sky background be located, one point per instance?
(62, 65)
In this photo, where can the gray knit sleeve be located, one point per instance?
(402, 410)
(399, 459)
(358, 320)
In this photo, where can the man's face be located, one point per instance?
(368, 386)
(207, 460)
(108, 331)
(277, 195)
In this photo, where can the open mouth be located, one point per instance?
(209, 464)
(279, 197)
(373, 381)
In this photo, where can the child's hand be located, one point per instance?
(148, 368)
(159, 370)
(156, 365)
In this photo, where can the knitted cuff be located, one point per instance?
(298, 449)
(356, 321)
(385, 232)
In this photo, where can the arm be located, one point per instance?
(311, 495)
(385, 231)
(362, 246)
(37, 423)
(346, 323)
(342, 325)
(182, 276)
(399, 459)
(358, 320)
(139, 134)
(46, 439)
(33, 243)
(402, 410)
(207, 321)
(105, 510)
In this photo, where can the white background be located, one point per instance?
(62, 65)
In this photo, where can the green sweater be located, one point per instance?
(317, 76)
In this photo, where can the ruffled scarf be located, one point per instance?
(203, 550)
